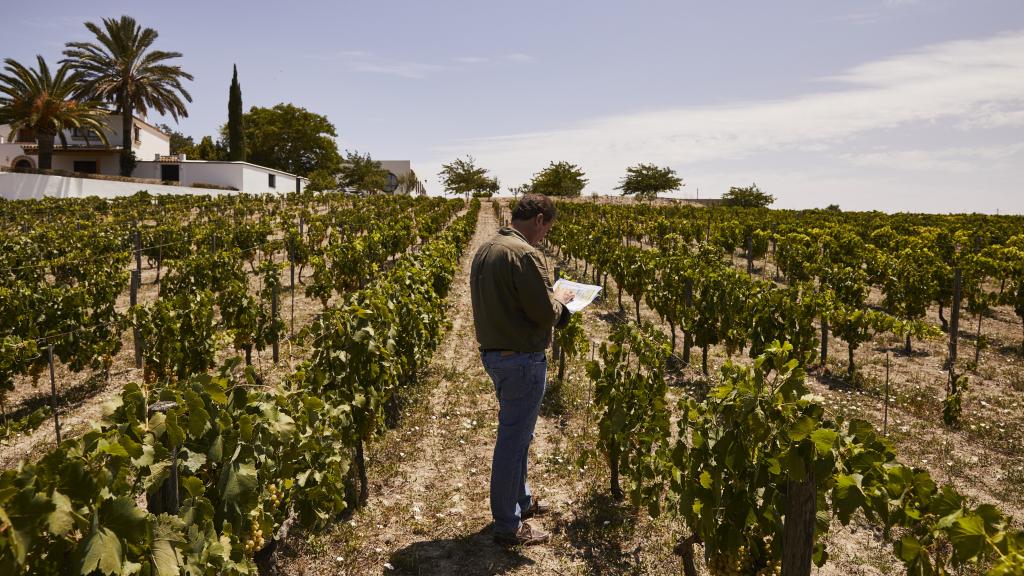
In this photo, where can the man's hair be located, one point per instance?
(532, 204)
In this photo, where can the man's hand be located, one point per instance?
(564, 295)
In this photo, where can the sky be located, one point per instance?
(891, 105)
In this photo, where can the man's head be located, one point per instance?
(533, 216)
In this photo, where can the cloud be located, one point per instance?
(955, 82)
(519, 57)
(962, 160)
(471, 59)
(360, 61)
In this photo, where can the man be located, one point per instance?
(514, 311)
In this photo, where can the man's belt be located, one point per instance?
(503, 353)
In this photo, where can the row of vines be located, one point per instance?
(223, 460)
(754, 466)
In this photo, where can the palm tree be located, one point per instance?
(122, 69)
(44, 104)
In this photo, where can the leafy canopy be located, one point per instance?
(289, 138)
(747, 197)
(362, 174)
(559, 179)
(122, 68)
(44, 103)
(465, 177)
(646, 180)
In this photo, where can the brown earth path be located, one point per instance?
(428, 511)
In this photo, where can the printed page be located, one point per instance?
(583, 294)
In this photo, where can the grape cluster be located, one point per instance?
(273, 500)
(255, 541)
(731, 564)
(744, 563)
(275, 496)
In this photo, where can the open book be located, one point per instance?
(583, 294)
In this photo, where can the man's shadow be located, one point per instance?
(470, 555)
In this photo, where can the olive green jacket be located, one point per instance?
(513, 306)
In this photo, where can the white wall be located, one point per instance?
(10, 152)
(256, 180)
(106, 162)
(242, 176)
(14, 186)
(219, 173)
(151, 142)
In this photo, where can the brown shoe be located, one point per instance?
(526, 536)
(536, 509)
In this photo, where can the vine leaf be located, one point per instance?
(164, 556)
(967, 536)
(102, 551)
(62, 519)
(123, 517)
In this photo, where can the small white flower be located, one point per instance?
(388, 566)
(339, 559)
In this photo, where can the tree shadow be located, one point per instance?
(597, 533)
(69, 397)
(467, 555)
(842, 381)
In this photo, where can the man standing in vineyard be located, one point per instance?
(514, 311)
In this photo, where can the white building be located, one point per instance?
(85, 153)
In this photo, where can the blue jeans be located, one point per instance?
(519, 381)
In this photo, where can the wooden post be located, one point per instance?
(291, 257)
(798, 526)
(273, 318)
(750, 254)
(138, 250)
(954, 329)
(134, 300)
(53, 393)
(824, 339)
(556, 350)
(165, 499)
(885, 409)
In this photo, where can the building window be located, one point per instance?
(85, 166)
(272, 180)
(138, 134)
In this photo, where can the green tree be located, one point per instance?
(362, 174)
(290, 138)
(646, 180)
(559, 179)
(236, 132)
(747, 197)
(321, 180)
(408, 182)
(465, 177)
(207, 149)
(122, 69)
(180, 144)
(44, 104)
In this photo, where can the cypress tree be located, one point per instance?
(236, 132)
